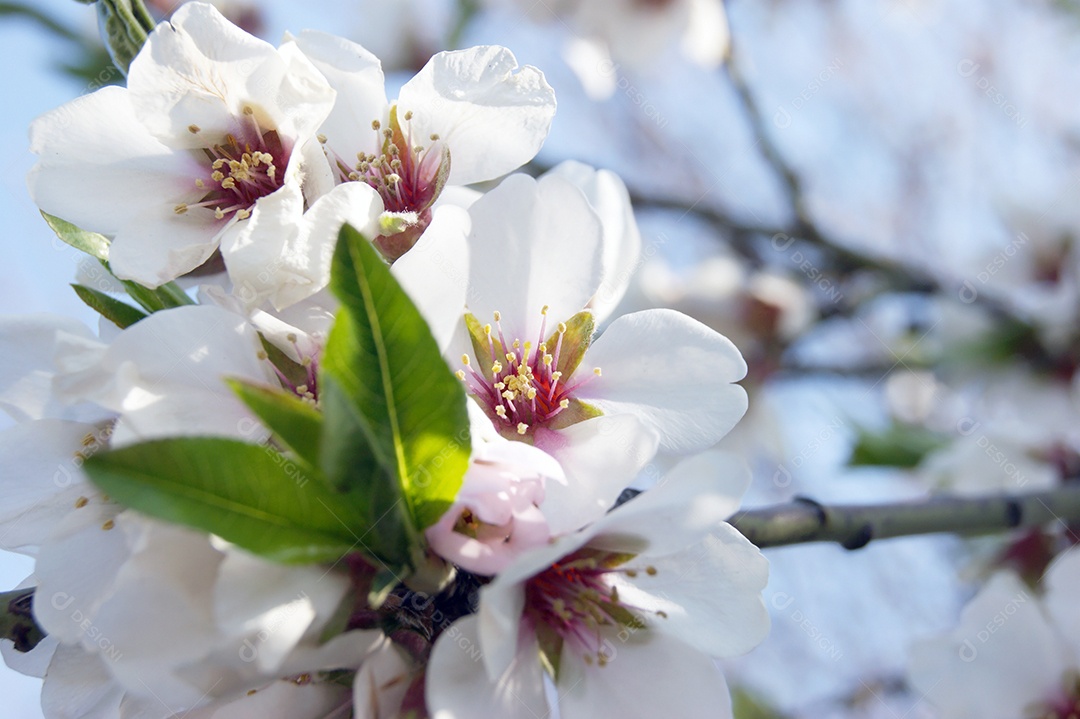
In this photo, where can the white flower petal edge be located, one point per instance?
(435, 272)
(283, 254)
(545, 242)
(458, 686)
(608, 196)
(492, 114)
(163, 379)
(673, 373)
(382, 682)
(660, 678)
(1023, 663)
(42, 481)
(601, 456)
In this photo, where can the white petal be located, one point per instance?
(165, 375)
(33, 663)
(1002, 656)
(274, 605)
(381, 683)
(99, 166)
(691, 500)
(78, 686)
(658, 678)
(601, 456)
(76, 570)
(1062, 583)
(710, 593)
(42, 478)
(158, 245)
(533, 243)
(171, 573)
(622, 240)
(459, 688)
(200, 69)
(284, 254)
(493, 115)
(278, 699)
(672, 372)
(357, 76)
(29, 345)
(435, 272)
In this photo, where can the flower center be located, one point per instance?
(406, 174)
(1067, 706)
(239, 170)
(300, 378)
(574, 600)
(523, 387)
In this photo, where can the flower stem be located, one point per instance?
(853, 526)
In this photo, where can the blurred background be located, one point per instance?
(875, 201)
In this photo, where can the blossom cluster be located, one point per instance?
(354, 443)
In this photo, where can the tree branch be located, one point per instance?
(854, 526)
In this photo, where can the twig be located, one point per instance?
(854, 526)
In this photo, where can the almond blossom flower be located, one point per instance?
(653, 378)
(212, 121)
(1013, 654)
(497, 513)
(624, 616)
(467, 116)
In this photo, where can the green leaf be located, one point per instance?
(385, 379)
(17, 619)
(247, 494)
(900, 445)
(119, 313)
(91, 243)
(166, 297)
(295, 422)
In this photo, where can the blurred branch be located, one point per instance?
(854, 526)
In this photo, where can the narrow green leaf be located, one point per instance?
(119, 313)
(247, 494)
(17, 619)
(165, 297)
(91, 243)
(394, 387)
(295, 422)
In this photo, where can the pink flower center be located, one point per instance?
(572, 602)
(1067, 706)
(405, 173)
(244, 167)
(521, 386)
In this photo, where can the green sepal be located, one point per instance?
(119, 313)
(292, 420)
(250, 495)
(578, 411)
(482, 341)
(550, 645)
(575, 341)
(91, 243)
